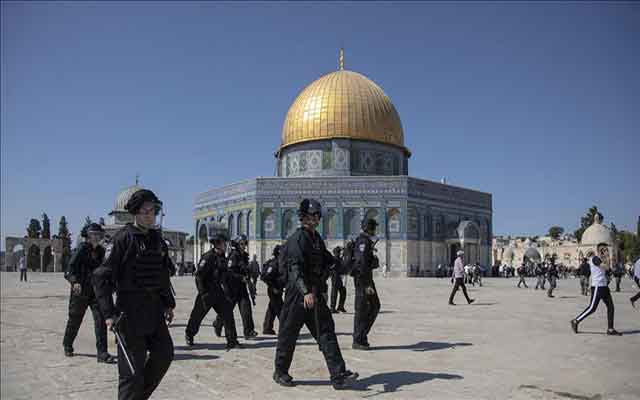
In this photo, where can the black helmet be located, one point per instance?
(241, 238)
(217, 231)
(309, 207)
(369, 223)
(91, 228)
(337, 250)
(596, 261)
(138, 198)
(276, 250)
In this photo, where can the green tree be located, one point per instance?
(556, 231)
(65, 235)
(34, 229)
(46, 226)
(586, 221)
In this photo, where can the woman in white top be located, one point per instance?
(599, 291)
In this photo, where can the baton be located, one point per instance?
(121, 343)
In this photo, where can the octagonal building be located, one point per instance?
(343, 144)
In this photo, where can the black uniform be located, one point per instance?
(367, 305)
(138, 270)
(274, 292)
(81, 266)
(337, 287)
(584, 271)
(522, 273)
(552, 276)
(237, 277)
(618, 273)
(308, 263)
(213, 292)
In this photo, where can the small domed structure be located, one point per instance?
(597, 233)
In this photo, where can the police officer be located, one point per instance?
(584, 272)
(618, 273)
(337, 286)
(87, 257)
(213, 290)
(539, 272)
(522, 273)
(307, 271)
(239, 281)
(552, 276)
(269, 275)
(137, 268)
(367, 302)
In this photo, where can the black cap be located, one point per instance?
(92, 227)
(139, 198)
(276, 250)
(309, 207)
(596, 261)
(369, 223)
(217, 231)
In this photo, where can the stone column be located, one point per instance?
(41, 260)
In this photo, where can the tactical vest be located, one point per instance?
(149, 272)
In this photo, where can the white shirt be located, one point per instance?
(598, 275)
(458, 268)
(636, 269)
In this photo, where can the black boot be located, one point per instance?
(283, 379)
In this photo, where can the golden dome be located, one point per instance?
(343, 104)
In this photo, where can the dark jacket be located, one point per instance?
(211, 277)
(365, 261)
(308, 263)
(84, 261)
(143, 290)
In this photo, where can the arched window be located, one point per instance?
(394, 220)
(331, 225)
(289, 223)
(232, 232)
(268, 223)
(241, 224)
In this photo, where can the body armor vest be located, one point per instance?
(149, 271)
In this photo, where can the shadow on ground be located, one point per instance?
(423, 346)
(390, 381)
(189, 356)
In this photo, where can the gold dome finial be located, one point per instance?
(341, 59)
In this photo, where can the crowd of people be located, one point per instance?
(127, 286)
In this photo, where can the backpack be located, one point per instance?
(282, 276)
(349, 257)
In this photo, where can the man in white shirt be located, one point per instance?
(599, 291)
(22, 266)
(636, 277)
(458, 277)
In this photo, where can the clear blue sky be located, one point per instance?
(538, 104)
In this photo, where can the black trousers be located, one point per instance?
(618, 279)
(599, 293)
(222, 307)
(459, 283)
(337, 287)
(150, 369)
(77, 308)
(320, 324)
(242, 300)
(367, 308)
(273, 309)
(23, 275)
(522, 281)
(552, 285)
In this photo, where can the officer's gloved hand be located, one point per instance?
(168, 315)
(76, 288)
(370, 291)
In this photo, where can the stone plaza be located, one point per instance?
(511, 344)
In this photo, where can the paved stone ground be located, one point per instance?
(511, 344)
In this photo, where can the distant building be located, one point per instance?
(567, 250)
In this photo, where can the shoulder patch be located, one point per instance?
(107, 250)
(202, 262)
(230, 263)
(362, 247)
